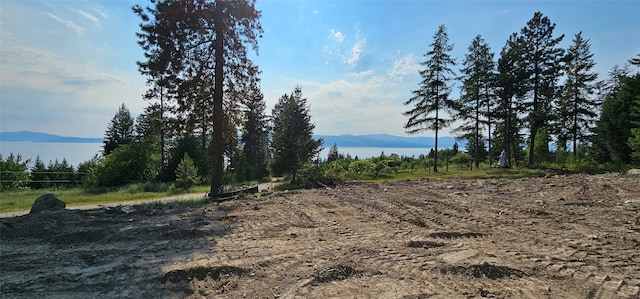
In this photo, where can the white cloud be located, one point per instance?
(43, 90)
(356, 53)
(103, 13)
(404, 66)
(78, 30)
(315, 12)
(360, 103)
(90, 17)
(337, 35)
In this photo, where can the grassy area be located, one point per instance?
(454, 172)
(20, 200)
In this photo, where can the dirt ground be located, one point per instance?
(574, 236)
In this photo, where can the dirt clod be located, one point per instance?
(334, 272)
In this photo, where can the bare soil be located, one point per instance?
(572, 236)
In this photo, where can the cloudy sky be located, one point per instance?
(66, 66)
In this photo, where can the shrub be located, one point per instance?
(186, 173)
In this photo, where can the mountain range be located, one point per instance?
(385, 140)
(28, 136)
(347, 140)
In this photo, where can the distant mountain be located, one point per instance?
(372, 140)
(28, 136)
(385, 140)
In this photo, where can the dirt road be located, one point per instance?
(562, 237)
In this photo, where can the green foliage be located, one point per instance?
(477, 102)
(541, 147)
(435, 88)
(137, 161)
(182, 43)
(292, 137)
(576, 109)
(88, 171)
(617, 120)
(333, 153)
(542, 60)
(38, 175)
(60, 173)
(634, 144)
(461, 159)
(186, 173)
(119, 131)
(255, 140)
(13, 172)
(192, 146)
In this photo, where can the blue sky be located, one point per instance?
(66, 66)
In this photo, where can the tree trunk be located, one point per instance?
(217, 160)
(435, 152)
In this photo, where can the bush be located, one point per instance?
(186, 173)
(128, 163)
(13, 172)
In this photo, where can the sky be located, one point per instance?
(66, 66)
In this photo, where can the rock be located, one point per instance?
(47, 202)
(633, 172)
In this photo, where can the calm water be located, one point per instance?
(75, 153)
(368, 152)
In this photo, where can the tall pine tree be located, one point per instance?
(543, 59)
(119, 131)
(511, 87)
(202, 45)
(432, 97)
(255, 137)
(292, 136)
(577, 106)
(476, 103)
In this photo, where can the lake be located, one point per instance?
(75, 153)
(369, 152)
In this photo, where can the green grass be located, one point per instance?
(20, 200)
(454, 172)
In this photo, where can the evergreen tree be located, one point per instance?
(333, 153)
(119, 131)
(433, 93)
(13, 172)
(511, 87)
(577, 107)
(38, 175)
(186, 173)
(255, 137)
(543, 60)
(292, 136)
(617, 120)
(202, 46)
(635, 61)
(477, 100)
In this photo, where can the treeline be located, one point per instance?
(536, 93)
(16, 172)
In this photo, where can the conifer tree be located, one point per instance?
(255, 137)
(432, 96)
(292, 136)
(543, 60)
(119, 131)
(477, 101)
(186, 173)
(202, 47)
(511, 87)
(577, 107)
